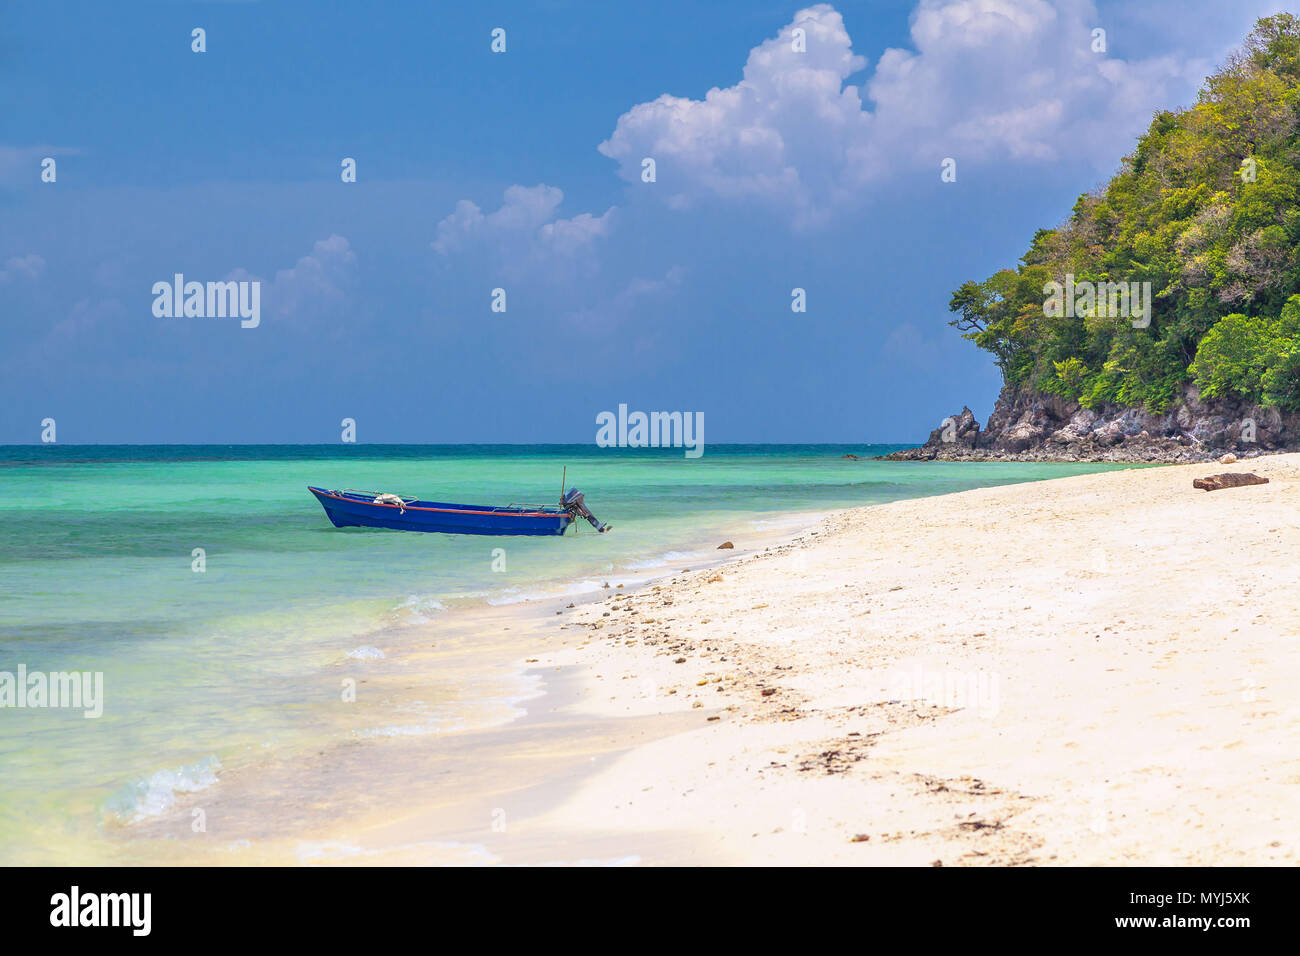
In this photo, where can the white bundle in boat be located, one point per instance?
(387, 499)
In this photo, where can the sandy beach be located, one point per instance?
(1081, 671)
(1090, 670)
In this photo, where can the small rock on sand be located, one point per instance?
(725, 544)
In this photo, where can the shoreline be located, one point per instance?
(1040, 456)
(1069, 702)
(297, 807)
(957, 679)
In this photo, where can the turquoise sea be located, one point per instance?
(216, 663)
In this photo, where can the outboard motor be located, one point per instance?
(572, 503)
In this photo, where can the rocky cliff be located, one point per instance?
(1032, 426)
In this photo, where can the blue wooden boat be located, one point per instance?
(371, 509)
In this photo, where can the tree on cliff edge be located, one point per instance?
(1207, 209)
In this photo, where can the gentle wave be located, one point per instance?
(515, 596)
(419, 609)
(489, 710)
(668, 557)
(156, 794)
(434, 726)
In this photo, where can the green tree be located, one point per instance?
(1206, 209)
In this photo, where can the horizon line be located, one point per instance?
(209, 444)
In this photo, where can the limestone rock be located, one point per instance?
(1027, 425)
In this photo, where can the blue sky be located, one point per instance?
(520, 170)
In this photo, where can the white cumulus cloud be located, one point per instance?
(318, 283)
(524, 229)
(983, 81)
(789, 131)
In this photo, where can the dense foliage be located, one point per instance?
(1205, 209)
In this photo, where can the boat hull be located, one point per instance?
(357, 511)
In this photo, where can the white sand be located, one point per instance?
(1092, 670)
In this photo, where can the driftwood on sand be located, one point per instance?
(1232, 479)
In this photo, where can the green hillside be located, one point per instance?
(1205, 210)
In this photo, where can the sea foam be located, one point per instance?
(156, 794)
(418, 610)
